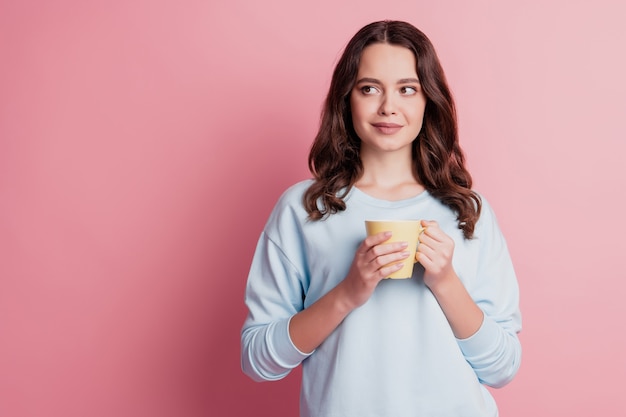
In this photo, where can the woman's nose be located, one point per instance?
(387, 106)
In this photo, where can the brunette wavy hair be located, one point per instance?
(438, 160)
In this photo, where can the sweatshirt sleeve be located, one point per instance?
(494, 351)
(274, 293)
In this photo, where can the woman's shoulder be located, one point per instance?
(487, 222)
(290, 203)
(486, 209)
(294, 194)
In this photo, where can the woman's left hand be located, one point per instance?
(435, 252)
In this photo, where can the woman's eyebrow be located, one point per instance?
(368, 80)
(408, 81)
(376, 81)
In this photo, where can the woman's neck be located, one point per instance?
(389, 177)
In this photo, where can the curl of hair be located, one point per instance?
(438, 160)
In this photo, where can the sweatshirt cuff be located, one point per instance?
(288, 353)
(481, 341)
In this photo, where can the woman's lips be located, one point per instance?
(387, 128)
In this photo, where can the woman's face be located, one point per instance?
(387, 101)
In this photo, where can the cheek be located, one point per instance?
(357, 113)
(417, 112)
(363, 110)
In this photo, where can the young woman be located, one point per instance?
(387, 148)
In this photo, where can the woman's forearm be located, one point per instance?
(464, 316)
(311, 326)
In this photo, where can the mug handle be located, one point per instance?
(421, 230)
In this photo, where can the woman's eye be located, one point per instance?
(368, 89)
(408, 90)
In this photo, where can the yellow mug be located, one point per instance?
(401, 231)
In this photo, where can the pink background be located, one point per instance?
(144, 143)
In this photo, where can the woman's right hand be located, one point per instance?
(370, 266)
(311, 326)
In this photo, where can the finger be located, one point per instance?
(372, 241)
(427, 258)
(377, 239)
(385, 260)
(418, 256)
(385, 271)
(433, 230)
(428, 239)
(429, 223)
(426, 250)
(385, 249)
(423, 259)
(426, 225)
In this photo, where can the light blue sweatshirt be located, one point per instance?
(395, 355)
